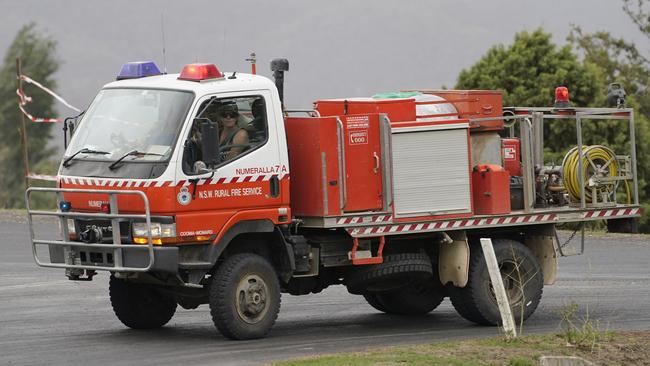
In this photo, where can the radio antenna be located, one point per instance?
(162, 27)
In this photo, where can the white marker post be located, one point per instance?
(499, 290)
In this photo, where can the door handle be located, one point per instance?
(376, 169)
(275, 186)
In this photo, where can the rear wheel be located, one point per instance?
(244, 297)
(396, 271)
(418, 298)
(522, 279)
(140, 306)
(373, 300)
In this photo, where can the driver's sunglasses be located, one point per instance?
(229, 115)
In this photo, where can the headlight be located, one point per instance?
(164, 234)
(72, 229)
(158, 232)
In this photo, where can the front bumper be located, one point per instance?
(113, 256)
(89, 257)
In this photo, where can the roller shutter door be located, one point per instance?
(431, 172)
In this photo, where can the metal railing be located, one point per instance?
(117, 247)
(531, 132)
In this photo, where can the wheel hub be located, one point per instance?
(251, 298)
(513, 282)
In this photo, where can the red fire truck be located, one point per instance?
(200, 187)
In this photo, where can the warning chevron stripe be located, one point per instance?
(144, 183)
(475, 223)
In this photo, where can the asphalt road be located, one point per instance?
(46, 319)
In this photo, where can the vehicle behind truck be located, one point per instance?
(201, 188)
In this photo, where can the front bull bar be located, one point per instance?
(117, 246)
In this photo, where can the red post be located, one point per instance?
(253, 60)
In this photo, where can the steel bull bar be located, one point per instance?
(126, 257)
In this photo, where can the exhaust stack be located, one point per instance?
(279, 66)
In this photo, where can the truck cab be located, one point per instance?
(145, 133)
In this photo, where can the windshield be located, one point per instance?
(123, 120)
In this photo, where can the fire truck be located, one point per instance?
(201, 188)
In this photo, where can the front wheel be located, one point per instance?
(244, 297)
(522, 278)
(140, 306)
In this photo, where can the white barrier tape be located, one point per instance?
(40, 120)
(23, 98)
(51, 178)
(31, 81)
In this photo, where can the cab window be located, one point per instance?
(241, 127)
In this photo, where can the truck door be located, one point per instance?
(244, 182)
(362, 162)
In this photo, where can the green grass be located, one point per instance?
(523, 351)
(450, 353)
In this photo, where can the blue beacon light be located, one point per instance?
(65, 206)
(134, 70)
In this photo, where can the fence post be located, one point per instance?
(23, 131)
(499, 290)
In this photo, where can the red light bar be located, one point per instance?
(198, 72)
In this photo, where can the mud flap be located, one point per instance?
(542, 244)
(453, 261)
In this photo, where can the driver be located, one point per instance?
(233, 139)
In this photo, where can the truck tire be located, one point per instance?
(244, 297)
(628, 225)
(373, 300)
(397, 270)
(476, 302)
(418, 298)
(140, 306)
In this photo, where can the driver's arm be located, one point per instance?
(239, 142)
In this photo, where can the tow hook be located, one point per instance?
(92, 234)
(78, 275)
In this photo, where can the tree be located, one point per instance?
(36, 52)
(637, 11)
(528, 71)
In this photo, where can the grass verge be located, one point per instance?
(617, 348)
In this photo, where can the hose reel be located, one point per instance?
(603, 171)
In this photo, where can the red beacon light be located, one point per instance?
(561, 97)
(198, 72)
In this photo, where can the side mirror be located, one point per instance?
(200, 168)
(209, 141)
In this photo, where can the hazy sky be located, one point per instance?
(336, 48)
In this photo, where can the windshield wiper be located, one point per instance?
(130, 153)
(67, 160)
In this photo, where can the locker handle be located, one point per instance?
(374, 155)
(343, 194)
(487, 109)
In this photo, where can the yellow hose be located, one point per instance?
(601, 156)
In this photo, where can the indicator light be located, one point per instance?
(105, 208)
